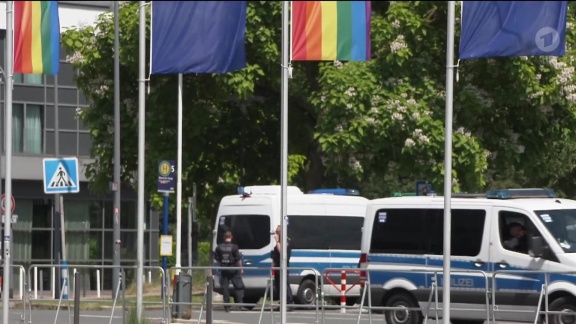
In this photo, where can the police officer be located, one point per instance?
(228, 255)
(276, 253)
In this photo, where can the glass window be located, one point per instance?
(345, 233)
(85, 144)
(249, 231)
(421, 231)
(42, 243)
(562, 225)
(27, 133)
(42, 213)
(95, 245)
(516, 231)
(128, 215)
(405, 231)
(28, 79)
(308, 232)
(96, 215)
(68, 144)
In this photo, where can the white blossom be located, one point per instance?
(404, 95)
(370, 121)
(355, 164)
(538, 76)
(350, 92)
(416, 115)
(398, 44)
(339, 129)
(396, 24)
(338, 64)
(374, 110)
(76, 58)
(409, 142)
(520, 149)
(411, 101)
(417, 132)
(424, 138)
(323, 98)
(349, 106)
(397, 116)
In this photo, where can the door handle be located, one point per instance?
(248, 262)
(479, 263)
(502, 265)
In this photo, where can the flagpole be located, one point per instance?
(179, 179)
(8, 74)
(141, 161)
(448, 163)
(284, 160)
(116, 182)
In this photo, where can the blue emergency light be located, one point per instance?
(336, 191)
(520, 193)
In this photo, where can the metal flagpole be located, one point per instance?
(448, 163)
(284, 160)
(179, 180)
(8, 73)
(141, 152)
(116, 181)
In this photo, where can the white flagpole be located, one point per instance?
(284, 160)
(448, 163)
(141, 161)
(8, 73)
(179, 179)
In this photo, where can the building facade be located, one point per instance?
(88, 217)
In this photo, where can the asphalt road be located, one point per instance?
(218, 316)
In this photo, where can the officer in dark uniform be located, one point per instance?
(228, 255)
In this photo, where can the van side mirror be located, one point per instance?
(536, 246)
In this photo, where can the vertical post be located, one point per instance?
(76, 298)
(284, 162)
(8, 190)
(179, 180)
(141, 161)
(209, 293)
(64, 262)
(448, 163)
(116, 185)
(343, 292)
(189, 232)
(165, 227)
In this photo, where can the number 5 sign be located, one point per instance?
(166, 172)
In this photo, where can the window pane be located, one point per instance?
(128, 215)
(42, 242)
(96, 215)
(34, 118)
(95, 245)
(405, 231)
(41, 213)
(33, 79)
(18, 78)
(67, 118)
(345, 232)
(128, 247)
(249, 231)
(467, 231)
(304, 236)
(50, 145)
(68, 143)
(85, 144)
(17, 130)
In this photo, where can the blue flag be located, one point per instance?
(198, 36)
(512, 28)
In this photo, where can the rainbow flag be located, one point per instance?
(331, 30)
(36, 37)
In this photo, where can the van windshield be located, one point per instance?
(248, 231)
(562, 225)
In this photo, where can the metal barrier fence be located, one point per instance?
(121, 286)
(431, 309)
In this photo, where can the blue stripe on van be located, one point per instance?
(473, 280)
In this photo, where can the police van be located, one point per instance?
(405, 234)
(325, 231)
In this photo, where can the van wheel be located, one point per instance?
(563, 304)
(306, 292)
(402, 315)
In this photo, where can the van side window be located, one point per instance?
(308, 232)
(249, 231)
(420, 231)
(516, 229)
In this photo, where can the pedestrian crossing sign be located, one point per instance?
(61, 175)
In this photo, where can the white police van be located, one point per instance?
(325, 231)
(406, 234)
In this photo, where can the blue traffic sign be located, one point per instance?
(166, 176)
(61, 175)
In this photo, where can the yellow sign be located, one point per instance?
(165, 245)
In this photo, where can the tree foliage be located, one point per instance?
(377, 126)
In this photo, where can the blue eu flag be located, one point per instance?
(512, 28)
(198, 36)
